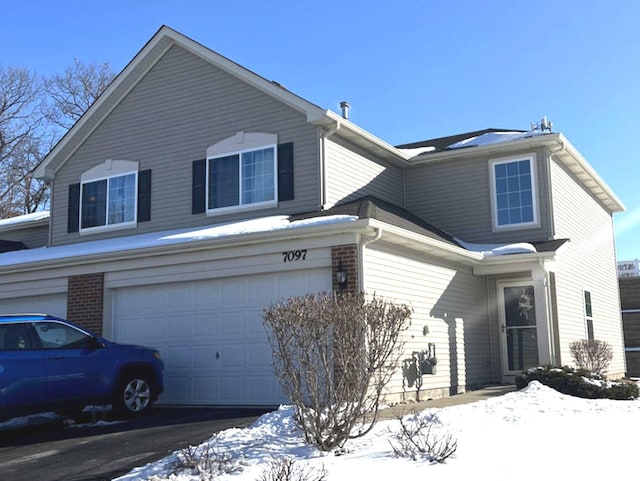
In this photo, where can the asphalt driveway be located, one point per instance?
(103, 450)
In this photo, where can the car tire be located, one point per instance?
(134, 395)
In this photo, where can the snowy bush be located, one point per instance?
(578, 382)
(333, 355)
(421, 437)
(287, 469)
(206, 461)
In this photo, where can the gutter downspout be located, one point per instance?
(323, 156)
(549, 314)
(361, 247)
(552, 223)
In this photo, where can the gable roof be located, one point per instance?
(442, 143)
(166, 38)
(502, 142)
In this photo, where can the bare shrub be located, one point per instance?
(286, 469)
(206, 461)
(420, 437)
(592, 355)
(334, 355)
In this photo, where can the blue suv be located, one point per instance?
(50, 364)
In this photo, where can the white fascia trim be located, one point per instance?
(330, 120)
(427, 242)
(360, 226)
(607, 196)
(510, 263)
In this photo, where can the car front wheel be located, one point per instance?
(134, 395)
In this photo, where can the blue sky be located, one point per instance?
(411, 70)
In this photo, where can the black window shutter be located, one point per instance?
(285, 172)
(73, 210)
(144, 195)
(198, 193)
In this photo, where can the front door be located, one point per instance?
(518, 326)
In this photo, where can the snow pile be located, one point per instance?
(498, 249)
(24, 219)
(533, 434)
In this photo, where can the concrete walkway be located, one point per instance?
(393, 412)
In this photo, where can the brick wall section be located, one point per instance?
(630, 292)
(85, 300)
(630, 299)
(348, 255)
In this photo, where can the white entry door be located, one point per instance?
(210, 333)
(518, 326)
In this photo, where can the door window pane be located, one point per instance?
(522, 348)
(520, 309)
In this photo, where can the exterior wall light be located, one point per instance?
(341, 276)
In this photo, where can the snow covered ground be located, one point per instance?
(533, 434)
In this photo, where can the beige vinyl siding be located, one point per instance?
(351, 174)
(450, 302)
(455, 195)
(32, 237)
(587, 262)
(182, 106)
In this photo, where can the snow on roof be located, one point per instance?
(495, 138)
(488, 250)
(24, 219)
(415, 151)
(165, 238)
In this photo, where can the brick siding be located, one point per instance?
(348, 256)
(85, 300)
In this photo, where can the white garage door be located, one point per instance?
(210, 334)
(54, 304)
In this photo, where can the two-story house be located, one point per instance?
(194, 193)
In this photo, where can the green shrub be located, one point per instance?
(578, 382)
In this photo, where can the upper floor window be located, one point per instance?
(514, 197)
(245, 175)
(249, 170)
(107, 196)
(108, 201)
(242, 178)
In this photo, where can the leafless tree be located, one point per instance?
(21, 124)
(71, 93)
(34, 114)
(334, 355)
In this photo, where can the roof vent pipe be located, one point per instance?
(344, 106)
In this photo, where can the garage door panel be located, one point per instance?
(210, 333)
(54, 304)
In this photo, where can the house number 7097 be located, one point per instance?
(297, 255)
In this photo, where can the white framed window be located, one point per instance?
(514, 197)
(588, 315)
(242, 173)
(108, 196)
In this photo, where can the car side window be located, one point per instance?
(14, 337)
(54, 335)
